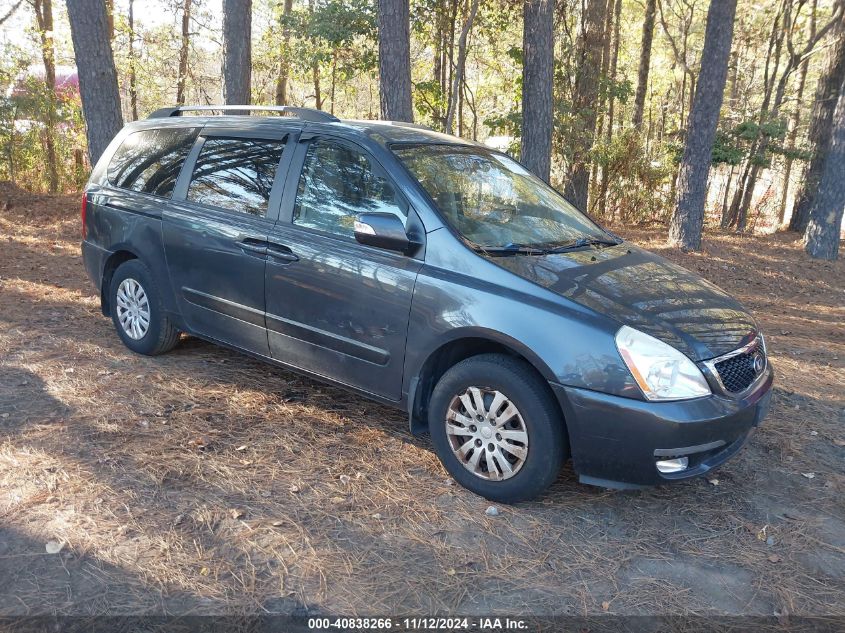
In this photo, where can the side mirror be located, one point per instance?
(382, 230)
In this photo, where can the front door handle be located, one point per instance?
(281, 253)
(252, 246)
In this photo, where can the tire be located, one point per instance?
(159, 335)
(537, 415)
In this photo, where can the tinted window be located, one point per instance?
(337, 183)
(494, 201)
(149, 161)
(236, 174)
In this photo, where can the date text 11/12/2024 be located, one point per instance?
(484, 624)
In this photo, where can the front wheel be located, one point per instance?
(496, 428)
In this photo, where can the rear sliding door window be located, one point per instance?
(149, 161)
(236, 174)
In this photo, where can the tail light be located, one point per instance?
(83, 213)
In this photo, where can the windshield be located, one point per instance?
(493, 201)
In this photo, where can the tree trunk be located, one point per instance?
(449, 61)
(733, 68)
(78, 168)
(614, 58)
(183, 53)
(44, 19)
(645, 63)
(747, 182)
(607, 40)
(315, 78)
(822, 236)
(237, 51)
(438, 58)
(473, 109)
(394, 53)
(97, 76)
(284, 61)
(110, 18)
(334, 81)
(315, 65)
(688, 218)
(538, 47)
(820, 127)
(793, 138)
(10, 146)
(457, 79)
(796, 119)
(679, 54)
(761, 143)
(461, 99)
(726, 197)
(133, 82)
(587, 77)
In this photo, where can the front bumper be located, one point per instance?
(616, 442)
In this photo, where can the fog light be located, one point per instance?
(674, 465)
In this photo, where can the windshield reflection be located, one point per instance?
(495, 203)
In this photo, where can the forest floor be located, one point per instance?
(203, 481)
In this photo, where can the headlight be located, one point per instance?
(661, 371)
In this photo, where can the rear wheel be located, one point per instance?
(497, 429)
(137, 312)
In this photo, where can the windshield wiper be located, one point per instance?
(511, 249)
(583, 242)
(524, 249)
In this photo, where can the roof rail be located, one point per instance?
(416, 126)
(306, 114)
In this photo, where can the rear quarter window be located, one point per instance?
(149, 161)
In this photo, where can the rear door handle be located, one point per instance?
(253, 246)
(281, 253)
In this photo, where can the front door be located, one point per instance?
(335, 307)
(215, 236)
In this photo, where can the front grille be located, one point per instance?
(737, 372)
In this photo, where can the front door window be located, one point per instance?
(336, 184)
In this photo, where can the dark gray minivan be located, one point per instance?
(430, 273)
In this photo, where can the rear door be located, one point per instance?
(215, 233)
(335, 307)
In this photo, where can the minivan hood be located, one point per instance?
(644, 291)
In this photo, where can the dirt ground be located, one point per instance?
(205, 482)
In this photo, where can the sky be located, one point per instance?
(148, 13)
